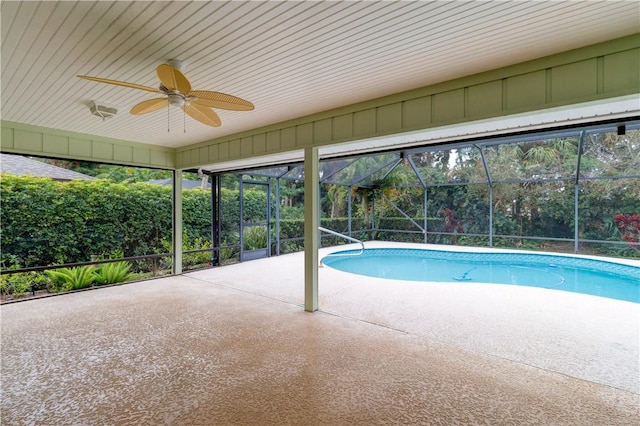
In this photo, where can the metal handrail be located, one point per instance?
(337, 234)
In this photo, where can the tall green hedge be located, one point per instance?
(48, 222)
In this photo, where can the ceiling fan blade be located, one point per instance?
(203, 115)
(149, 106)
(173, 79)
(121, 83)
(220, 100)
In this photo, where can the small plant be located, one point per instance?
(66, 279)
(111, 273)
(629, 226)
(228, 255)
(14, 285)
(255, 237)
(292, 247)
(191, 259)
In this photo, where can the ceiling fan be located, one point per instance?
(177, 92)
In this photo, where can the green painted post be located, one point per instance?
(177, 222)
(311, 223)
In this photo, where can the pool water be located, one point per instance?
(579, 275)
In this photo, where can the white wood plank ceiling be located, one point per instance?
(290, 58)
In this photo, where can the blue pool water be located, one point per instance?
(579, 275)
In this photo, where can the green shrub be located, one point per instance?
(254, 237)
(229, 255)
(291, 247)
(111, 273)
(191, 243)
(16, 285)
(199, 258)
(66, 279)
(291, 228)
(196, 213)
(46, 222)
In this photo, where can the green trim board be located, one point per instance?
(18, 138)
(598, 72)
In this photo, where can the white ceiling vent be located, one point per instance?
(101, 110)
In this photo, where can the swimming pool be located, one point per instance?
(575, 274)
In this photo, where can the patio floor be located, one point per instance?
(233, 345)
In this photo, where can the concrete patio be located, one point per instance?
(233, 345)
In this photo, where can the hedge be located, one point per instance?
(48, 222)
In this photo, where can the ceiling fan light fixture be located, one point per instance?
(176, 100)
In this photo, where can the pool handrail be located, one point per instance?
(337, 234)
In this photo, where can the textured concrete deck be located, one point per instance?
(233, 346)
